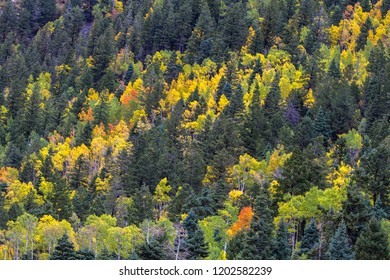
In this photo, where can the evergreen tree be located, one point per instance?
(195, 242)
(373, 243)
(14, 211)
(258, 241)
(3, 213)
(282, 248)
(385, 7)
(64, 250)
(378, 210)
(254, 125)
(356, 213)
(129, 74)
(85, 254)
(321, 124)
(201, 35)
(310, 242)
(340, 246)
(151, 250)
(362, 39)
(334, 70)
(60, 198)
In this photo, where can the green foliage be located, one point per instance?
(174, 115)
(258, 241)
(282, 248)
(64, 250)
(310, 242)
(373, 243)
(340, 247)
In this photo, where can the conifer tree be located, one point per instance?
(362, 39)
(356, 213)
(334, 70)
(258, 241)
(195, 242)
(310, 242)
(373, 243)
(64, 250)
(282, 248)
(151, 250)
(321, 124)
(340, 247)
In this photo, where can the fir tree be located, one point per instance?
(282, 248)
(64, 250)
(195, 242)
(310, 242)
(334, 70)
(340, 247)
(85, 254)
(356, 213)
(151, 250)
(129, 73)
(373, 243)
(258, 242)
(321, 124)
(362, 39)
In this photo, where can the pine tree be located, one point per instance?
(14, 211)
(195, 242)
(3, 213)
(129, 74)
(258, 241)
(362, 39)
(197, 246)
(356, 213)
(235, 248)
(321, 124)
(366, 5)
(200, 35)
(373, 243)
(60, 198)
(340, 247)
(151, 251)
(85, 254)
(282, 248)
(310, 242)
(254, 125)
(334, 70)
(385, 7)
(64, 250)
(379, 211)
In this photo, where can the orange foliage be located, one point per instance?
(86, 116)
(128, 96)
(8, 175)
(243, 222)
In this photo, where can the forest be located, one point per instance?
(194, 129)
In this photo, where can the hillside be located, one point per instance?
(195, 129)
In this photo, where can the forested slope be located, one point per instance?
(194, 129)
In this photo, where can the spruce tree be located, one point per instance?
(129, 73)
(64, 250)
(334, 70)
(3, 213)
(310, 241)
(151, 251)
(362, 39)
(85, 254)
(195, 242)
(340, 247)
(373, 243)
(258, 242)
(282, 248)
(321, 124)
(356, 212)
